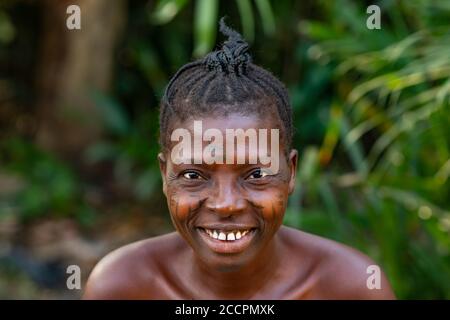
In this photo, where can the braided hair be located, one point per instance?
(224, 82)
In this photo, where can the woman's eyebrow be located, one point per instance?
(215, 166)
(192, 160)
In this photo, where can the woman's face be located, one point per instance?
(228, 212)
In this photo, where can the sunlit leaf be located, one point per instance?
(205, 26)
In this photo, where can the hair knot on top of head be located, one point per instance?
(233, 56)
(224, 82)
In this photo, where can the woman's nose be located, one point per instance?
(225, 198)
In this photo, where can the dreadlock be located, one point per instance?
(224, 82)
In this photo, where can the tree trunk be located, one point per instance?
(71, 64)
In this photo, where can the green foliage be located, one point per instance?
(206, 19)
(131, 146)
(7, 31)
(45, 186)
(390, 119)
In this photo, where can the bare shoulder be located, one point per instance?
(129, 271)
(341, 272)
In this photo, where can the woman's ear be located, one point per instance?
(292, 161)
(162, 168)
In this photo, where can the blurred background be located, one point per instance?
(79, 123)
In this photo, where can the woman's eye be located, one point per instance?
(192, 175)
(257, 174)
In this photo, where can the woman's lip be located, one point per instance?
(225, 246)
(226, 227)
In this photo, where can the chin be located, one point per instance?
(226, 262)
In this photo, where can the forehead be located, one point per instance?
(232, 121)
(237, 139)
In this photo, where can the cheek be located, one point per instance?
(182, 204)
(272, 203)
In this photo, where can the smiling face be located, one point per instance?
(228, 213)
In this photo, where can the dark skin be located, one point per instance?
(275, 262)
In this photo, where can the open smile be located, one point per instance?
(227, 241)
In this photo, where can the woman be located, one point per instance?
(227, 204)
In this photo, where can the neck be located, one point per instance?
(242, 282)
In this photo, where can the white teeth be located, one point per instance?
(228, 236)
(231, 237)
(222, 236)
